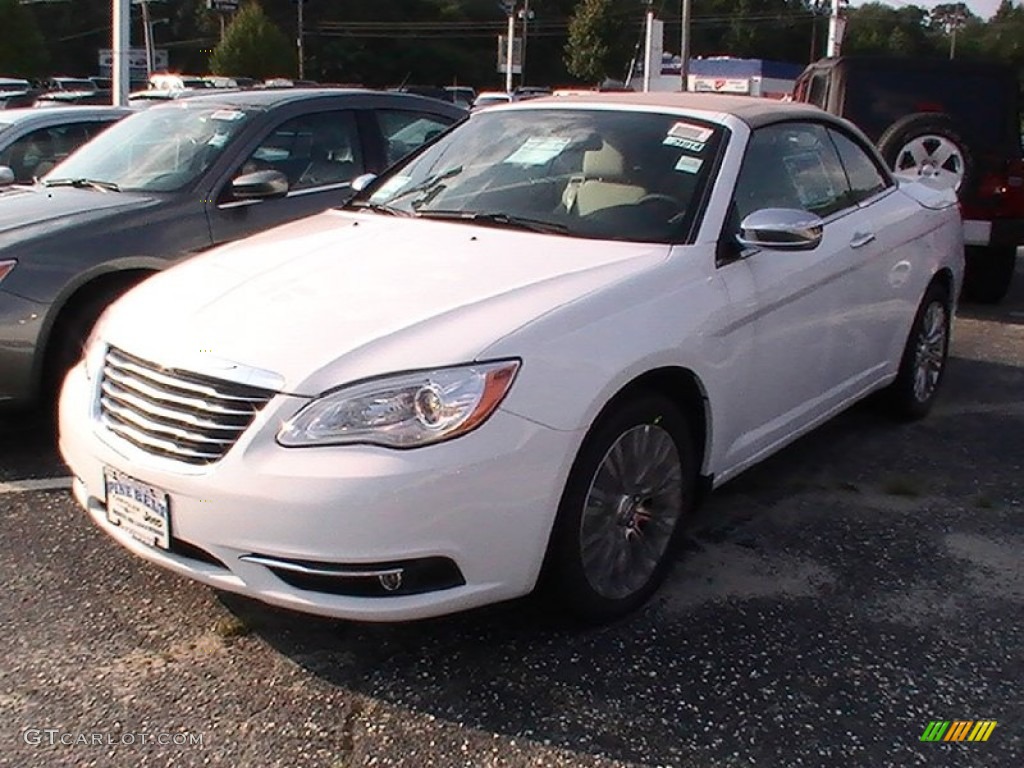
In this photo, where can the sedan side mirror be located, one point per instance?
(359, 183)
(260, 185)
(788, 229)
(6, 176)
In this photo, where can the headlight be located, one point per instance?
(404, 411)
(6, 266)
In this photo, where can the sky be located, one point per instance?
(982, 8)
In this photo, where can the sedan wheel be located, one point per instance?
(923, 364)
(632, 483)
(631, 510)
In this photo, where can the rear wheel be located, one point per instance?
(988, 272)
(923, 364)
(631, 484)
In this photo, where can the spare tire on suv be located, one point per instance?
(947, 120)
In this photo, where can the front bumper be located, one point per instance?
(485, 502)
(21, 323)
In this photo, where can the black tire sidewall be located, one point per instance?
(564, 577)
(988, 272)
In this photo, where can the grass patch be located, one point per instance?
(902, 485)
(231, 627)
(982, 501)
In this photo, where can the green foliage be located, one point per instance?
(600, 41)
(254, 47)
(22, 47)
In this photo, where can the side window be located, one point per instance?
(864, 175)
(791, 165)
(404, 131)
(35, 154)
(311, 150)
(817, 90)
(94, 129)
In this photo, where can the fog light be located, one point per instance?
(391, 581)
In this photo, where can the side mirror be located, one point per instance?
(260, 185)
(359, 183)
(787, 229)
(6, 176)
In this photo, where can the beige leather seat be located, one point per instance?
(602, 183)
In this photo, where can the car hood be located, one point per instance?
(342, 296)
(29, 211)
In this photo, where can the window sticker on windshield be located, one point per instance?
(218, 140)
(227, 114)
(688, 164)
(688, 144)
(389, 187)
(538, 150)
(690, 131)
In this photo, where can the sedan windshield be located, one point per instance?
(601, 173)
(159, 150)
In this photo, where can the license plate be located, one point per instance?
(139, 509)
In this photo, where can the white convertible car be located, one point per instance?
(515, 359)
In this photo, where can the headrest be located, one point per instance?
(604, 163)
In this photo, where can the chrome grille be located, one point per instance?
(176, 414)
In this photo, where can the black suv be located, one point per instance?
(956, 120)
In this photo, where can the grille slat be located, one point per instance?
(175, 414)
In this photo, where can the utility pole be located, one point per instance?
(684, 46)
(955, 23)
(648, 43)
(147, 31)
(302, 63)
(835, 30)
(510, 46)
(526, 14)
(120, 42)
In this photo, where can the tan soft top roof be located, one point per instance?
(752, 110)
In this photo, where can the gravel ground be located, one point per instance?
(825, 607)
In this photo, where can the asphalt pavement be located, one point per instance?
(827, 605)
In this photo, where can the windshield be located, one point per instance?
(609, 174)
(160, 150)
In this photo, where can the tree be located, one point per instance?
(254, 47)
(600, 41)
(22, 47)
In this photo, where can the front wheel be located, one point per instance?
(631, 484)
(923, 364)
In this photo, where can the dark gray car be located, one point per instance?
(171, 181)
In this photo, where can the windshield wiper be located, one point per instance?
(104, 186)
(499, 219)
(429, 187)
(385, 208)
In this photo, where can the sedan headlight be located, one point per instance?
(6, 265)
(405, 410)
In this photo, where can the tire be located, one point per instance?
(923, 364)
(70, 333)
(988, 272)
(639, 459)
(927, 144)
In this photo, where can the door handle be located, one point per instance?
(861, 239)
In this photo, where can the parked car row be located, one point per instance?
(514, 359)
